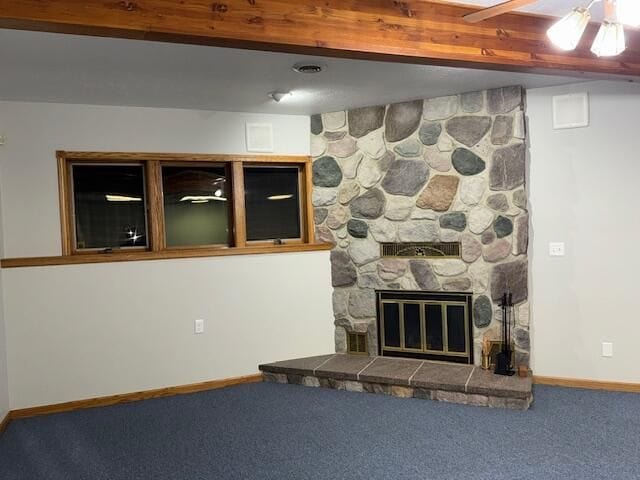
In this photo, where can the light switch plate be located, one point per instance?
(607, 349)
(199, 326)
(556, 249)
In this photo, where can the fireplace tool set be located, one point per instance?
(504, 358)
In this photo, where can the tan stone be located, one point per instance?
(439, 193)
(401, 392)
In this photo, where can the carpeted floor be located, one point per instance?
(267, 431)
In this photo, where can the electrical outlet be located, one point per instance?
(556, 249)
(607, 349)
(199, 326)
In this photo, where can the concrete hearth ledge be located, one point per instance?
(400, 377)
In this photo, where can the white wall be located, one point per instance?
(584, 191)
(80, 331)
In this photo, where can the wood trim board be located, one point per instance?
(5, 422)
(587, 384)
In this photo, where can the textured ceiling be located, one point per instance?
(555, 8)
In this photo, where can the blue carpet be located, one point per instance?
(269, 431)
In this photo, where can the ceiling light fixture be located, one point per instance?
(280, 197)
(566, 33)
(201, 198)
(278, 96)
(122, 198)
(610, 40)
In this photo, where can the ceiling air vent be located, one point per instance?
(421, 249)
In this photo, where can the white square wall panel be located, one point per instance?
(571, 111)
(259, 137)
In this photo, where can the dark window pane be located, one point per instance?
(196, 206)
(412, 331)
(455, 328)
(272, 202)
(391, 324)
(109, 206)
(434, 327)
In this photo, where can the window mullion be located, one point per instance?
(239, 217)
(309, 224)
(155, 216)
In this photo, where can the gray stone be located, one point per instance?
(498, 202)
(340, 339)
(439, 193)
(390, 269)
(409, 148)
(472, 189)
(405, 177)
(497, 251)
(357, 228)
(466, 162)
(369, 205)
(502, 131)
(342, 148)
(370, 280)
(386, 161)
(468, 129)
(316, 124)
(471, 248)
(318, 145)
(438, 160)
(350, 165)
(430, 133)
(398, 208)
(445, 144)
(337, 217)
(455, 221)
(362, 304)
(365, 120)
(449, 267)
(348, 191)
(519, 125)
(440, 108)
(363, 251)
(321, 197)
(334, 136)
(418, 231)
(319, 215)
(462, 284)
(402, 120)
(503, 226)
(472, 102)
(520, 199)
(420, 214)
(343, 243)
(324, 235)
(423, 274)
(508, 167)
(326, 172)
(487, 237)
(482, 312)
(334, 120)
(369, 172)
(384, 231)
(343, 272)
(373, 144)
(503, 100)
(522, 235)
(510, 277)
(479, 219)
(521, 337)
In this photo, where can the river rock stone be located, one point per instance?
(466, 162)
(340, 299)
(405, 177)
(487, 237)
(398, 208)
(482, 312)
(472, 189)
(369, 172)
(342, 148)
(365, 120)
(370, 280)
(402, 120)
(445, 144)
(520, 199)
(430, 133)
(319, 215)
(348, 191)
(503, 100)
(454, 221)
(321, 197)
(522, 235)
(343, 271)
(472, 102)
(449, 268)
(440, 108)
(326, 172)
(369, 205)
(511, 277)
(362, 303)
(498, 202)
(423, 274)
(503, 226)
(351, 164)
(480, 218)
(468, 129)
(363, 251)
(386, 160)
(373, 144)
(502, 131)
(337, 217)
(508, 167)
(318, 145)
(334, 136)
(462, 284)
(384, 230)
(418, 231)
(439, 193)
(390, 269)
(409, 148)
(357, 228)
(316, 124)
(498, 250)
(324, 235)
(334, 120)
(440, 161)
(471, 249)
(521, 338)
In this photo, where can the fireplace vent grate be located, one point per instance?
(421, 249)
(357, 343)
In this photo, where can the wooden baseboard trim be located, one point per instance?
(588, 384)
(132, 397)
(5, 421)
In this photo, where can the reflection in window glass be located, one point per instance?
(109, 206)
(196, 205)
(272, 202)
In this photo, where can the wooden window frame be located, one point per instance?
(157, 249)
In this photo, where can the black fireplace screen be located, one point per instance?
(428, 325)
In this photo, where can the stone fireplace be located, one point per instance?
(448, 169)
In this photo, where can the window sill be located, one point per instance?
(164, 255)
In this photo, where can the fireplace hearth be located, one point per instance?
(425, 325)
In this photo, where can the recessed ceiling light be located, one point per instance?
(277, 96)
(308, 68)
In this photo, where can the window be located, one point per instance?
(123, 203)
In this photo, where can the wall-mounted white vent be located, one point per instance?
(571, 111)
(259, 137)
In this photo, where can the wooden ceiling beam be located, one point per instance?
(500, 9)
(413, 31)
